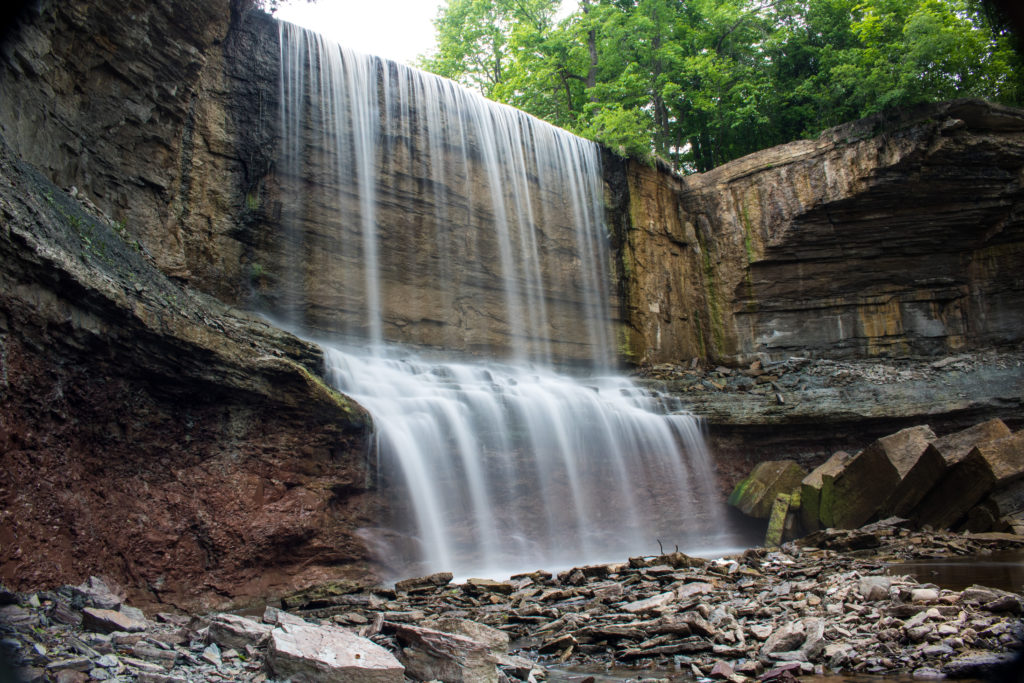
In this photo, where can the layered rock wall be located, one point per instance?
(153, 435)
(895, 235)
(890, 236)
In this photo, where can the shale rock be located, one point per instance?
(796, 609)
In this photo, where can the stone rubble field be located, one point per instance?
(822, 604)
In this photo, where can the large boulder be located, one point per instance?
(234, 631)
(307, 653)
(429, 654)
(988, 467)
(756, 494)
(814, 487)
(939, 456)
(862, 488)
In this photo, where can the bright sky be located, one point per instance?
(397, 29)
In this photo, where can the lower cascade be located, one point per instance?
(487, 467)
(513, 467)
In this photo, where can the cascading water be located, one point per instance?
(472, 227)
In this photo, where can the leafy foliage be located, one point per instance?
(700, 82)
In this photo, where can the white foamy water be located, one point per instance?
(495, 466)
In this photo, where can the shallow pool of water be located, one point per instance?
(1004, 570)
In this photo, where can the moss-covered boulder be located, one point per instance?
(756, 494)
(816, 485)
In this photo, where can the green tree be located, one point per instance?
(700, 82)
(477, 39)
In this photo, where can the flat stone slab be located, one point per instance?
(233, 631)
(313, 654)
(108, 621)
(432, 581)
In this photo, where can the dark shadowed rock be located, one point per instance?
(986, 467)
(756, 494)
(865, 483)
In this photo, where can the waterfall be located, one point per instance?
(466, 259)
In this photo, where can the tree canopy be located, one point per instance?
(701, 82)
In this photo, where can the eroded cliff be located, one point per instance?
(154, 435)
(898, 234)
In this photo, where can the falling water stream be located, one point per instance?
(461, 215)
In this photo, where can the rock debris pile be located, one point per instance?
(969, 480)
(809, 607)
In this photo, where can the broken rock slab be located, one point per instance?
(234, 631)
(313, 654)
(989, 466)
(108, 621)
(870, 477)
(756, 494)
(940, 455)
(811, 488)
(429, 655)
(497, 642)
(424, 582)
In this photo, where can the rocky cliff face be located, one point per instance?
(168, 117)
(190, 450)
(151, 434)
(890, 236)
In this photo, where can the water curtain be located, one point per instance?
(473, 229)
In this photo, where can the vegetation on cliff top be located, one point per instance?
(702, 82)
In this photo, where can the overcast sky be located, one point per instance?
(398, 29)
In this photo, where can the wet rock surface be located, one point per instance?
(811, 607)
